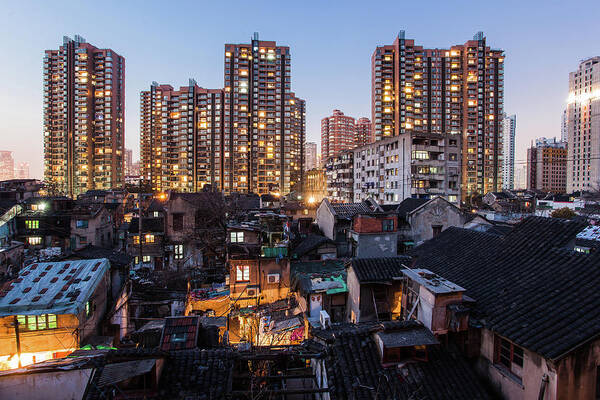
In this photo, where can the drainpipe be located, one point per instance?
(543, 385)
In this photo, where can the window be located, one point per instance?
(178, 222)
(32, 224)
(156, 214)
(178, 251)
(34, 240)
(242, 273)
(508, 355)
(437, 229)
(89, 309)
(237, 237)
(81, 223)
(388, 225)
(149, 238)
(178, 337)
(37, 322)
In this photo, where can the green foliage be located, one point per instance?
(564, 212)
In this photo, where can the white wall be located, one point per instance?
(62, 385)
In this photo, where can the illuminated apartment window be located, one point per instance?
(178, 250)
(237, 237)
(242, 273)
(37, 322)
(34, 240)
(149, 238)
(32, 224)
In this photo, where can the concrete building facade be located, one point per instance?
(339, 177)
(310, 156)
(547, 165)
(509, 127)
(262, 139)
(392, 169)
(583, 126)
(181, 146)
(364, 131)
(84, 111)
(338, 133)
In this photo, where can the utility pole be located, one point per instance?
(18, 339)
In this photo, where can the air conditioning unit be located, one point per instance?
(272, 278)
(253, 292)
(325, 319)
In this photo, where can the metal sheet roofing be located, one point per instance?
(52, 287)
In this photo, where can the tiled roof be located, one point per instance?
(52, 287)
(117, 259)
(310, 243)
(148, 225)
(354, 369)
(197, 374)
(379, 269)
(528, 285)
(180, 333)
(408, 205)
(349, 210)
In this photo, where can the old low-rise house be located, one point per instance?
(391, 360)
(91, 224)
(259, 270)
(374, 288)
(315, 247)
(195, 229)
(374, 235)
(152, 242)
(422, 219)
(20, 189)
(54, 307)
(320, 286)
(45, 222)
(534, 325)
(335, 221)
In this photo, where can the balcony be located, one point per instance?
(274, 252)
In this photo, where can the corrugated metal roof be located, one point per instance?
(52, 287)
(115, 373)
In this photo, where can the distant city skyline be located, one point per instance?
(536, 85)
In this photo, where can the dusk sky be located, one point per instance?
(331, 45)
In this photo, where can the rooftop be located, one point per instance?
(433, 282)
(52, 287)
(514, 279)
(379, 270)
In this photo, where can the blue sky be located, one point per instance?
(331, 44)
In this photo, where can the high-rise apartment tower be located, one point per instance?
(509, 127)
(443, 103)
(264, 128)
(84, 111)
(583, 127)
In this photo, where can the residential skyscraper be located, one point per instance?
(363, 132)
(84, 111)
(564, 128)
(443, 103)
(181, 146)
(583, 126)
(7, 165)
(310, 156)
(262, 140)
(509, 126)
(338, 133)
(128, 160)
(547, 165)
